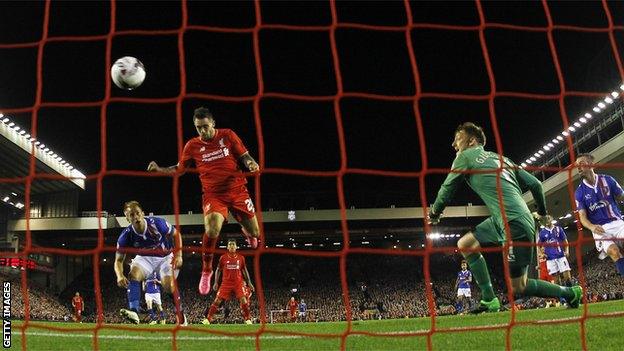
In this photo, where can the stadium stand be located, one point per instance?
(392, 294)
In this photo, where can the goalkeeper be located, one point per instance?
(485, 167)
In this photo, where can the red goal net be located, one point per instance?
(427, 71)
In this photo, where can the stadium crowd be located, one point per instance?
(379, 287)
(43, 305)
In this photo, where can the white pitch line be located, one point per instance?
(265, 336)
(135, 337)
(199, 338)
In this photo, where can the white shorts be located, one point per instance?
(151, 264)
(464, 292)
(558, 265)
(613, 230)
(153, 297)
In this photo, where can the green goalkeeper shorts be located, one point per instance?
(492, 232)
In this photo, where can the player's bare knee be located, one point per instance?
(253, 230)
(168, 284)
(213, 228)
(461, 243)
(518, 287)
(614, 252)
(251, 226)
(136, 274)
(213, 231)
(213, 223)
(467, 242)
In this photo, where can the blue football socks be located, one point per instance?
(619, 264)
(134, 295)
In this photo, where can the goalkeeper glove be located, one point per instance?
(541, 219)
(433, 218)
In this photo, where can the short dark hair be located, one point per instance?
(473, 131)
(588, 155)
(130, 204)
(201, 113)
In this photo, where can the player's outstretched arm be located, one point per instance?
(154, 167)
(249, 162)
(122, 281)
(566, 243)
(448, 188)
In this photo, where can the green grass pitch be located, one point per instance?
(554, 328)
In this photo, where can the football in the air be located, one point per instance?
(128, 73)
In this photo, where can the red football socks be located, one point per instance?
(208, 247)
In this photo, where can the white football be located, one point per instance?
(128, 73)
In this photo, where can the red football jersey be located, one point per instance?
(232, 268)
(292, 305)
(77, 302)
(216, 161)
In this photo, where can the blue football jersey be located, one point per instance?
(151, 286)
(157, 237)
(598, 200)
(463, 279)
(556, 235)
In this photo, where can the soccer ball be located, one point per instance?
(128, 73)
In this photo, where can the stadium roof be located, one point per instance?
(15, 153)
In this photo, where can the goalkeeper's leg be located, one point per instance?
(540, 288)
(520, 257)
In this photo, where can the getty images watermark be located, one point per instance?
(6, 315)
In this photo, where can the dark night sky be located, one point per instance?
(379, 135)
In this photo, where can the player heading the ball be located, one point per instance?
(217, 153)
